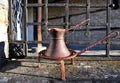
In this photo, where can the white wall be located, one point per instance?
(4, 24)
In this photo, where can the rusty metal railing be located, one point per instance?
(45, 5)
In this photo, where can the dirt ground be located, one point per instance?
(83, 71)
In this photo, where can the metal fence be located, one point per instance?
(67, 13)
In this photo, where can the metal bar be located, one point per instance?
(77, 5)
(72, 5)
(46, 15)
(10, 19)
(84, 6)
(35, 5)
(67, 42)
(25, 26)
(69, 5)
(88, 43)
(67, 14)
(63, 4)
(87, 33)
(60, 24)
(35, 23)
(57, 4)
(66, 17)
(32, 41)
(39, 18)
(92, 6)
(94, 58)
(108, 28)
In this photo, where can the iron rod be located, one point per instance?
(87, 33)
(109, 36)
(10, 18)
(39, 19)
(67, 14)
(25, 26)
(108, 28)
(46, 15)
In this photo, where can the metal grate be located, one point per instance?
(84, 9)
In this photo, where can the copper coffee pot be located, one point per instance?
(57, 47)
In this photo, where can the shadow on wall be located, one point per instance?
(2, 55)
(4, 61)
